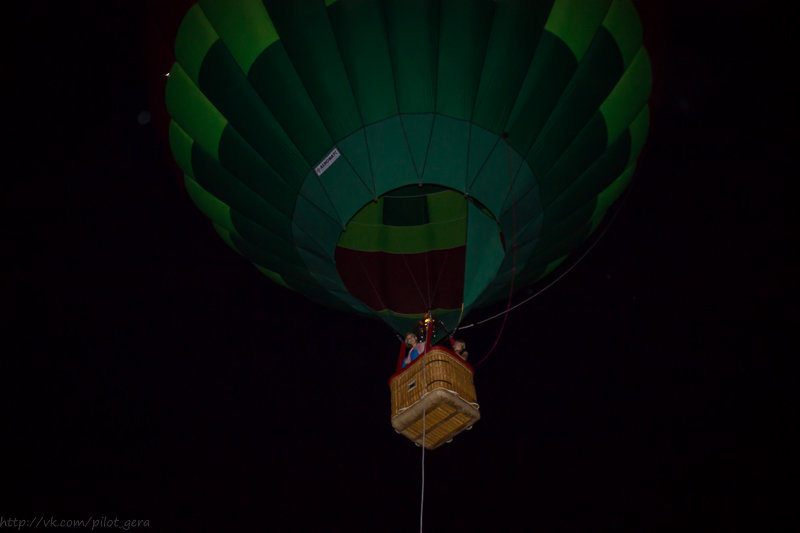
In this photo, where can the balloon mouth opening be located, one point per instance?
(404, 253)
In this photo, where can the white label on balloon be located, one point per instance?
(327, 162)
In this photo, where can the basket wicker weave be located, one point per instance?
(448, 403)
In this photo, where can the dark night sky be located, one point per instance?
(152, 373)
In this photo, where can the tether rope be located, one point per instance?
(424, 407)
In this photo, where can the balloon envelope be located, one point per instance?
(403, 156)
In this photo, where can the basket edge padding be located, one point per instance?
(430, 401)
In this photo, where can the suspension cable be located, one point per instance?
(513, 255)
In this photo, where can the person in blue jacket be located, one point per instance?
(416, 348)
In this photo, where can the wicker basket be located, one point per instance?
(448, 403)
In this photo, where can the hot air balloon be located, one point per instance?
(405, 159)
